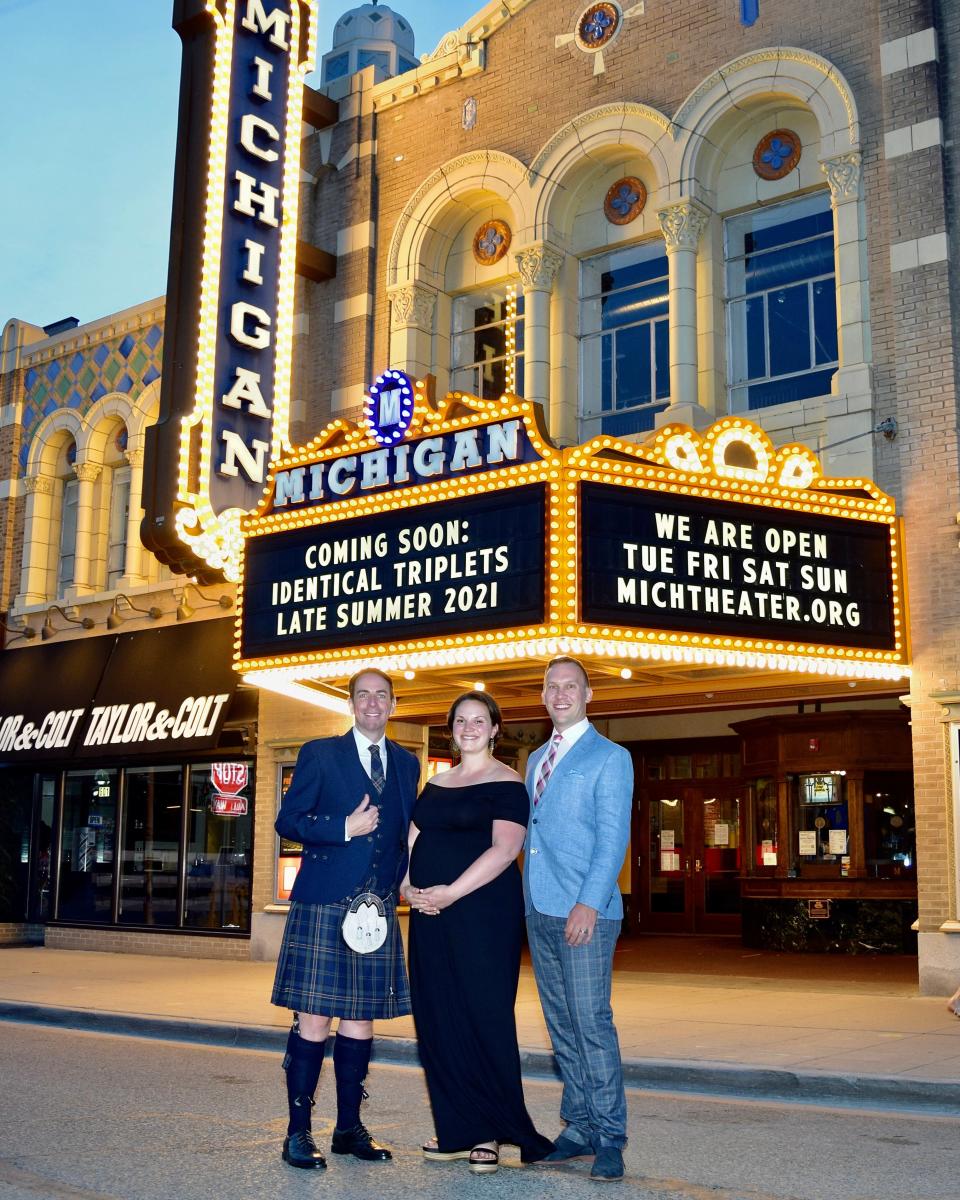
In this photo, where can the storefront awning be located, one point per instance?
(152, 692)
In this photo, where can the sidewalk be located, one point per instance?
(702, 1015)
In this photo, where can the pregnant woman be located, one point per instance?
(466, 925)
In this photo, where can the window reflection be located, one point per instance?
(151, 845)
(218, 853)
(87, 846)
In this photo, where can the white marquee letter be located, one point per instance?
(259, 337)
(237, 453)
(246, 389)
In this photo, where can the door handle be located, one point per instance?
(697, 866)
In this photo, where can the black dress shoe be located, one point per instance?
(358, 1142)
(300, 1150)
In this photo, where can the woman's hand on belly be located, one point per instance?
(432, 901)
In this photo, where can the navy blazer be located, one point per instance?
(328, 783)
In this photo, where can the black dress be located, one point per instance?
(464, 969)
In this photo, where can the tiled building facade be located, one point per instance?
(633, 214)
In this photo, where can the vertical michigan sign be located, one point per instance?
(227, 354)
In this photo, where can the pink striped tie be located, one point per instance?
(546, 767)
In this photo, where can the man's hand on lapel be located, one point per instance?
(363, 819)
(579, 928)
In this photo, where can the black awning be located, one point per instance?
(154, 692)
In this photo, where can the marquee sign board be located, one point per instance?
(227, 355)
(425, 538)
(720, 543)
(436, 537)
(706, 566)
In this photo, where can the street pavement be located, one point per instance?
(97, 1117)
(704, 1015)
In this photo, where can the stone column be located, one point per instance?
(411, 328)
(682, 225)
(538, 265)
(38, 541)
(843, 173)
(85, 566)
(133, 555)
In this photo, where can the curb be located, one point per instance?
(929, 1096)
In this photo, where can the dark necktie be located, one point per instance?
(377, 777)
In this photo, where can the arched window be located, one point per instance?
(67, 520)
(624, 340)
(487, 342)
(781, 303)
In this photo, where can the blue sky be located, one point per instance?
(87, 145)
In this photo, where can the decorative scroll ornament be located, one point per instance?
(412, 306)
(597, 27)
(41, 485)
(87, 472)
(491, 242)
(776, 154)
(538, 267)
(625, 200)
(843, 175)
(682, 225)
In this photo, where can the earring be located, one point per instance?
(490, 745)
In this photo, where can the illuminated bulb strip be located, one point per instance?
(510, 334)
(539, 648)
(214, 537)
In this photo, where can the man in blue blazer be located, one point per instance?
(581, 796)
(349, 804)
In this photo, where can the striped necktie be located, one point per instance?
(377, 777)
(546, 767)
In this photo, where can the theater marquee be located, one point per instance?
(429, 537)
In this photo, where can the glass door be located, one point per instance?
(690, 873)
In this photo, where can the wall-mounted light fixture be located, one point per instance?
(27, 632)
(50, 630)
(115, 616)
(186, 611)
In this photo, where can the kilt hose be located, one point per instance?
(318, 973)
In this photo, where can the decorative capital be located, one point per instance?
(134, 457)
(412, 305)
(40, 484)
(539, 266)
(843, 174)
(683, 224)
(87, 472)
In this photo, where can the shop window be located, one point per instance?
(721, 852)
(488, 343)
(85, 888)
(288, 853)
(66, 563)
(219, 847)
(624, 340)
(765, 823)
(822, 825)
(889, 825)
(150, 850)
(117, 527)
(781, 303)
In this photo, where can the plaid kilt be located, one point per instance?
(318, 973)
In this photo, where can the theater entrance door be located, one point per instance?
(687, 852)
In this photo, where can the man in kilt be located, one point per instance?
(349, 804)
